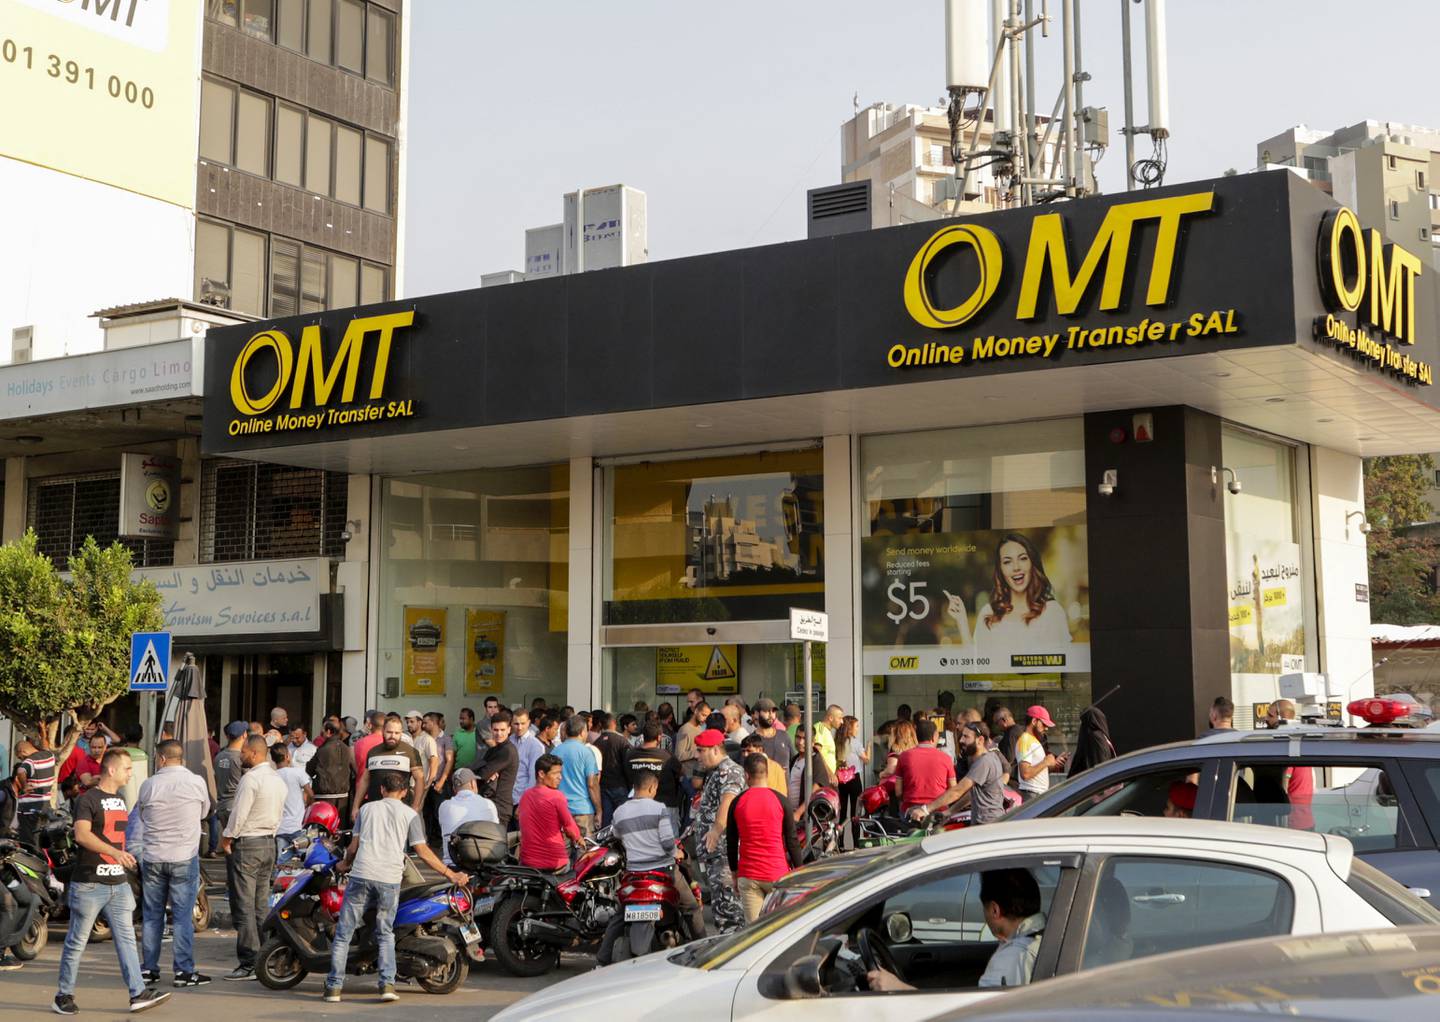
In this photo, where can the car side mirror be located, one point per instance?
(898, 927)
(802, 979)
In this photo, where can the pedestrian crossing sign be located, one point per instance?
(149, 661)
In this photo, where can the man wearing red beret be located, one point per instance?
(1180, 803)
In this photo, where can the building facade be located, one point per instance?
(1105, 450)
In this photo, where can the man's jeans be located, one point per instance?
(252, 862)
(177, 883)
(87, 901)
(360, 894)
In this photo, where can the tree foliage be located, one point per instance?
(1402, 560)
(65, 641)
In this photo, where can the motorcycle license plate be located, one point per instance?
(485, 905)
(642, 913)
(471, 933)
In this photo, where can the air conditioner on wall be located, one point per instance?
(22, 343)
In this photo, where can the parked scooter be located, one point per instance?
(541, 914)
(28, 898)
(298, 931)
(651, 919)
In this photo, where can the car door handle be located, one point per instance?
(1419, 892)
(1159, 899)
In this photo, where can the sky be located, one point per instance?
(724, 114)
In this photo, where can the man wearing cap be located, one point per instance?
(228, 769)
(1035, 763)
(1180, 801)
(467, 806)
(776, 744)
(724, 780)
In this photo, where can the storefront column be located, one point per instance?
(1341, 565)
(352, 578)
(582, 675)
(842, 679)
(1158, 626)
(14, 517)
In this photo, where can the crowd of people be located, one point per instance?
(733, 774)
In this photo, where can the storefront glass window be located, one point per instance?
(714, 539)
(975, 570)
(1268, 572)
(473, 588)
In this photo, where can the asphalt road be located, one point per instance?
(28, 993)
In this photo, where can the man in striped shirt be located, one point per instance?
(35, 785)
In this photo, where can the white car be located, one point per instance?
(1112, 889)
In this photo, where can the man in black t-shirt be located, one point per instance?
(651, 759)
(614, 748)
(392, 755)
(498, 766)
(101, 884)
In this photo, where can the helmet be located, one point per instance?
(874, 799)
(324, 814)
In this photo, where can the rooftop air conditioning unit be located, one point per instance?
(214, 292)
(22, 343)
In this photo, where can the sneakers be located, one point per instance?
(8, 962)
(332, 995)
(150, 976)
(149, 999)
(387, 992)
(190, 979)
(241, 973)
(64, 1004)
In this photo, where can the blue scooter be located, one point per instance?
(432, 926)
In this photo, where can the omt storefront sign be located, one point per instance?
(279, 386)
(1107, 266)
(1374, 283)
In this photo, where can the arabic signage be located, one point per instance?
(149, 496)
(713, 670)
(102, 379)
(484, 652)
(424, 670)
(245, 598)
(986, 602)
(1192, 269)
(1267, 604)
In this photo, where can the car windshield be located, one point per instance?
(713, 952)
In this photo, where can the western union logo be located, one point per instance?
(269, 370)
(904, 663)
(1048, 258)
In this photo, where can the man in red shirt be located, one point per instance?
(545, 819)
(924, 773)
(759, 837)
(81, 769)
(364, 744)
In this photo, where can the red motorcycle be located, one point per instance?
(540, 914)
(650, 919)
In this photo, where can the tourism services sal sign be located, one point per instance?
(244, 598)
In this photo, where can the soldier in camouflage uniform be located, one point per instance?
(723, 781)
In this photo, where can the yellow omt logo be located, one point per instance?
(988, 254)
(307, 375)
(904, 663)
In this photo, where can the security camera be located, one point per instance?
(1365, 528)
(709, 631)
(1233, 486)
(1109, 479)
(1107, 490)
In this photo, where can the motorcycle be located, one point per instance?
(824, 814)
(541, 914)
(28, 898)
(297, 933)
(650, 906)
(481, 849)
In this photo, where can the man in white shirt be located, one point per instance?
(301, 748)
(532, 747)
(468, 806)
(249, 844)
(298, 795)
(376, 861)
(424, 745)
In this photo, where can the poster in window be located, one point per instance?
(713, 669)
(484, 652)
(991, 602)
(424, 673)
(1266, 604)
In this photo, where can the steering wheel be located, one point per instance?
(874, 953)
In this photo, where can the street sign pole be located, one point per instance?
(807, 627)
(149, 667)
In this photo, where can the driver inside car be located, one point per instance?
(1011, 900)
